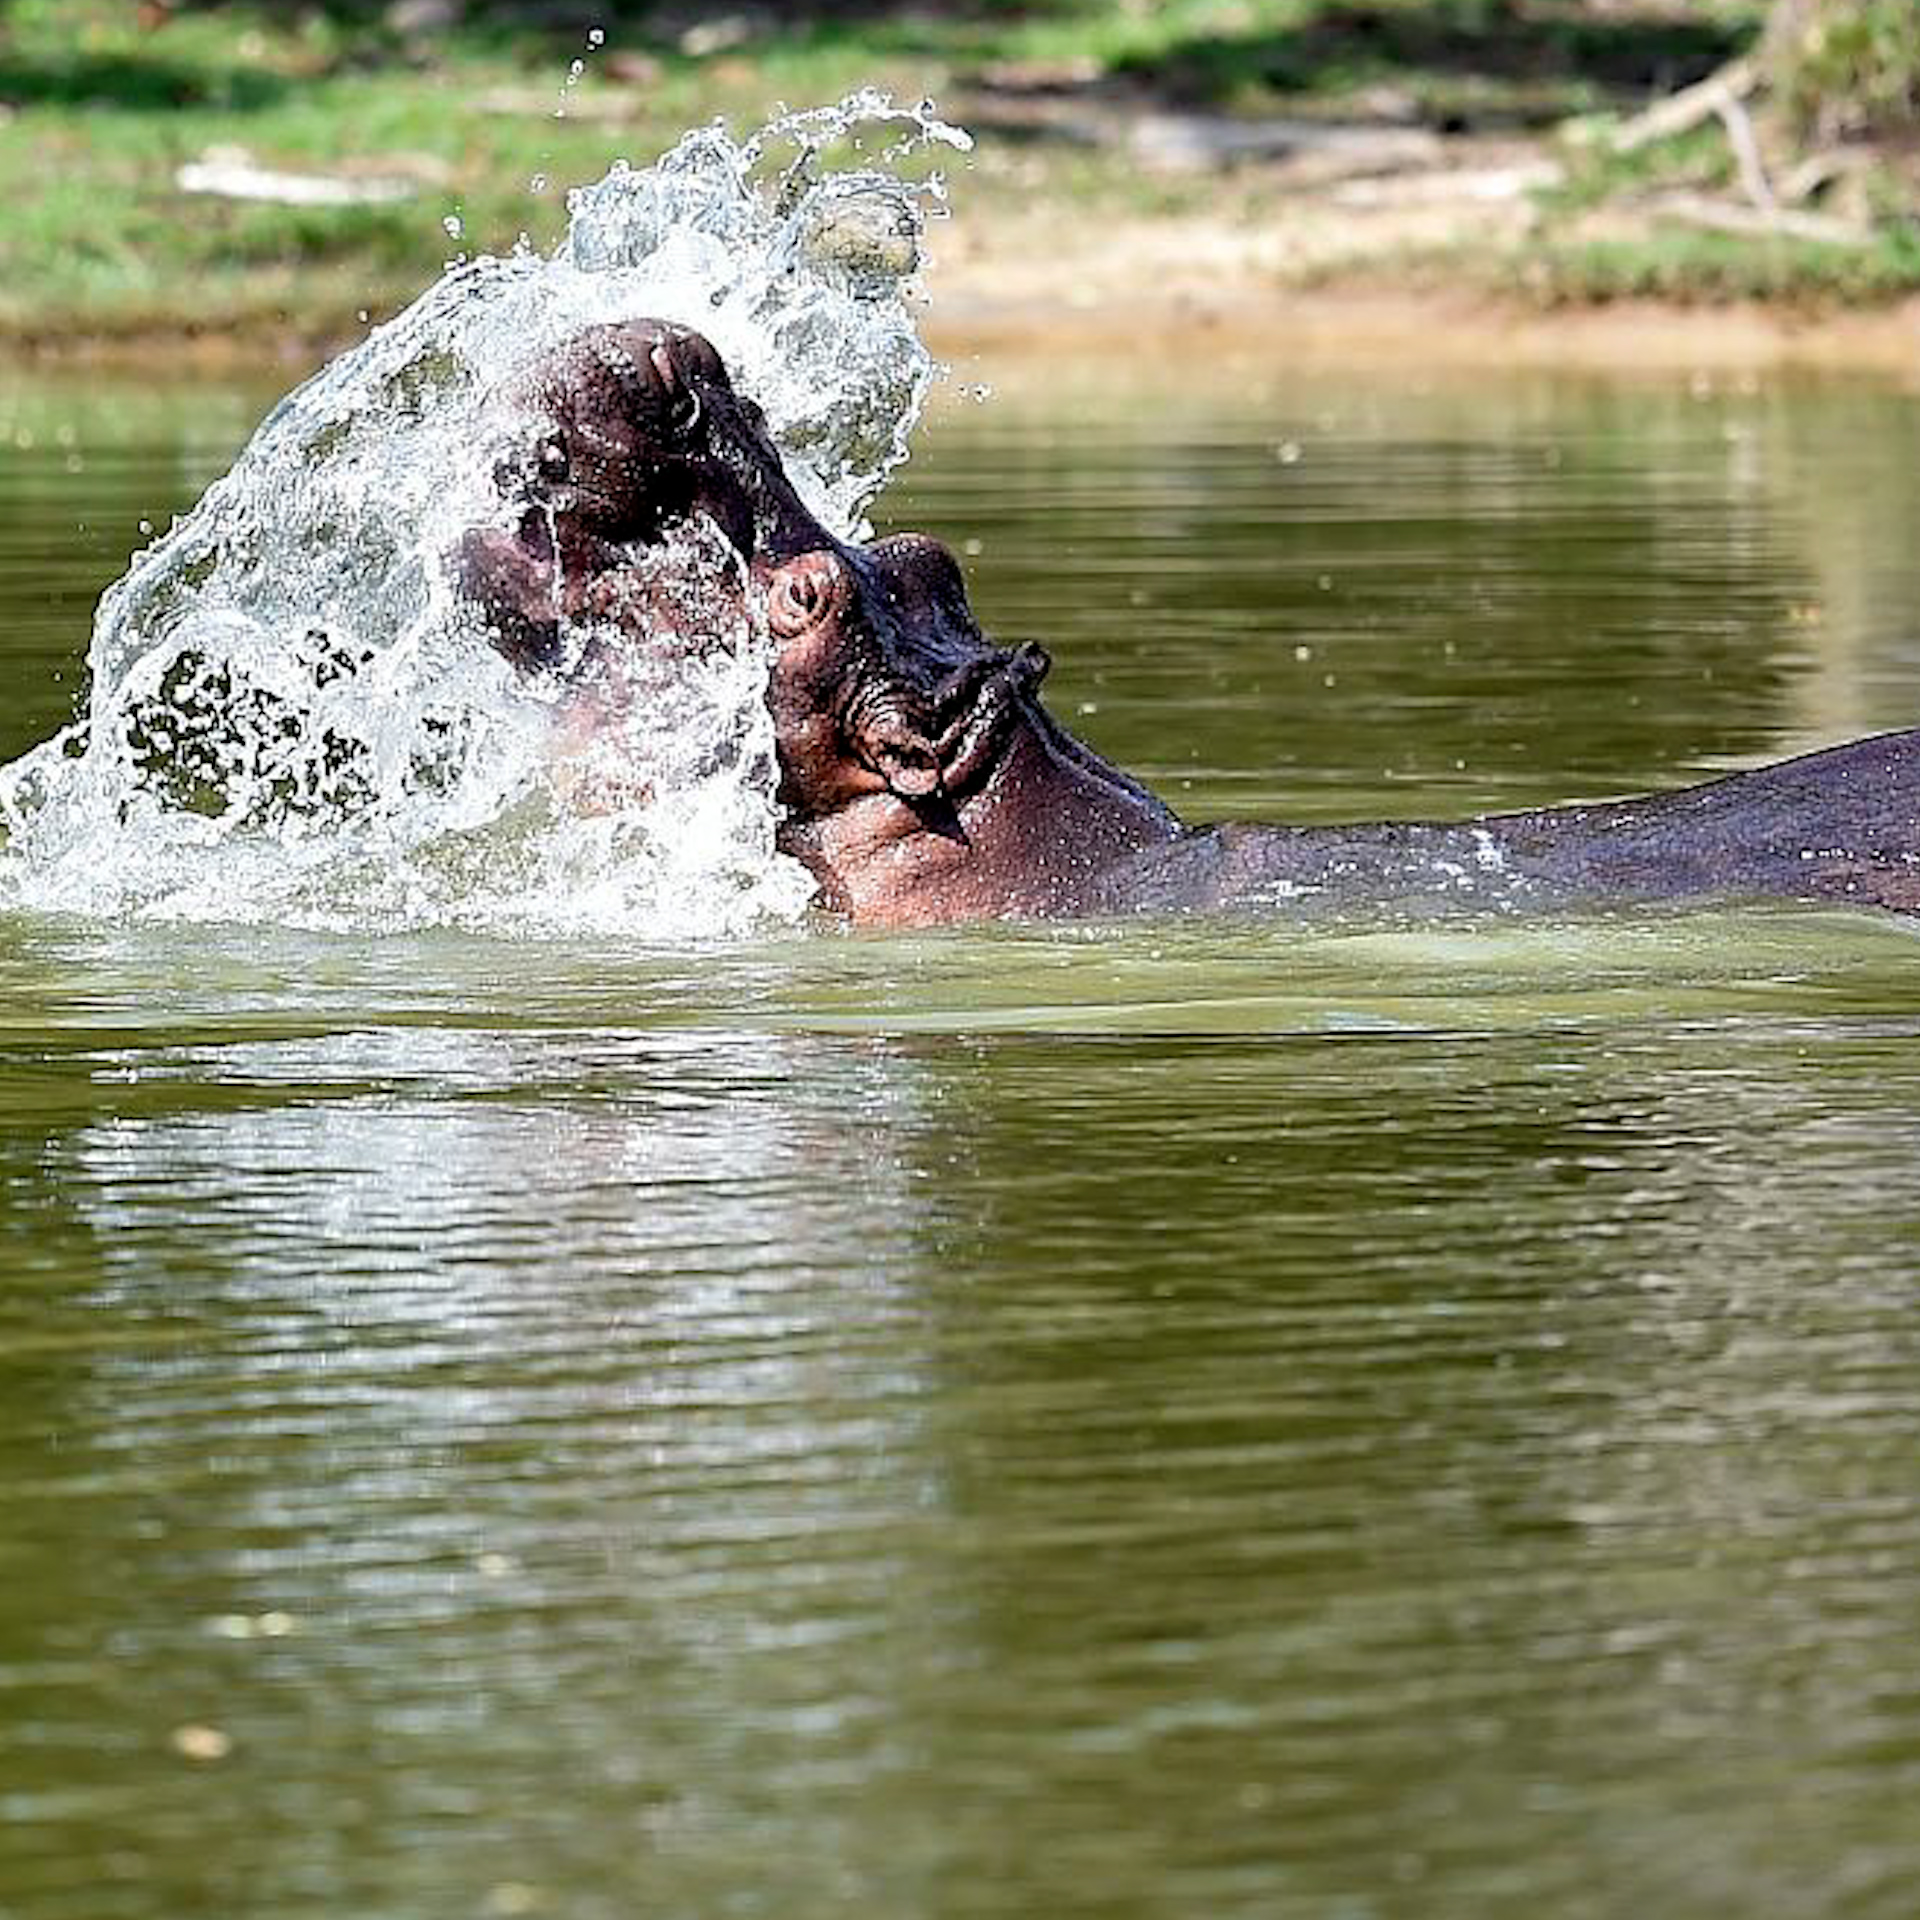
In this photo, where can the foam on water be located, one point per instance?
(292, 716)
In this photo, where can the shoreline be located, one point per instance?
(1332, 324)
(1043, 290)
(1441, 329)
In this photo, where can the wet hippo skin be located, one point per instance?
(921, 778)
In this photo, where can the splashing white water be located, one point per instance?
(294, 718)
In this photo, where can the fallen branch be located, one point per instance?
(1691, 107)
(1818, 171)
(229, 174)
(1779, 223)
(1746, 153)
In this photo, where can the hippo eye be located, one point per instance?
(552, 460)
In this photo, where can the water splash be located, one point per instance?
(294, 718)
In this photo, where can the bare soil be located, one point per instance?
(1326, 281)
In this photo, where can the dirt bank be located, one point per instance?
(1327, 288)
(1331, 284)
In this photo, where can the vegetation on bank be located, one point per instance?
(133, 132)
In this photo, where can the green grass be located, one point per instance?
(1711, 269)
(100, 238)
(98, 114)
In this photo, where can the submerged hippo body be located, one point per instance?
(1840, 825)
(922, 780)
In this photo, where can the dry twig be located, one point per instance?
(1681, 112)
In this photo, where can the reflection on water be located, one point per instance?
(1144, 1421)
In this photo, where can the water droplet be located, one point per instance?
(453, 226)
(575, 68)
(596, 36)
(538, 184)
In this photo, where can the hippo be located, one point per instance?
(923, 781)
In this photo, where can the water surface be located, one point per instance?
(1128, 1422)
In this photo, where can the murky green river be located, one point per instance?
(1152, 1423)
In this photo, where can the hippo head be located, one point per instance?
(635, 436)
(920, 778)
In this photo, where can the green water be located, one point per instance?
(1144, 1422)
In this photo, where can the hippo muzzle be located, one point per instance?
(882, 681)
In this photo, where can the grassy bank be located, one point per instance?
(111, 112)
